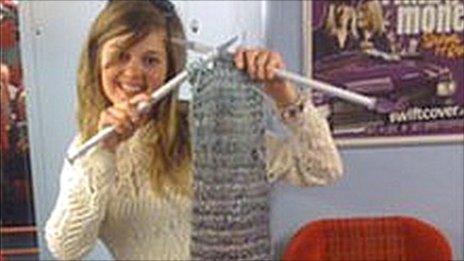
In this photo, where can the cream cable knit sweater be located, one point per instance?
(107, 196)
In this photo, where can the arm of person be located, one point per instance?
(308, 156)
(73, 226)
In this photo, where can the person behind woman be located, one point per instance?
(134, 190)
(5, 109)
(338, 33)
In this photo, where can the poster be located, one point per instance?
(407, 52)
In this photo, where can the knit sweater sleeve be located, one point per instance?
(73, 226)
(308, 156)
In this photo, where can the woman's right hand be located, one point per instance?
(125, 118)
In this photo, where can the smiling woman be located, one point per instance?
(135, 190)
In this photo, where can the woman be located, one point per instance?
(5, 106)
(338, 32)
(371, 26)
(134, 190)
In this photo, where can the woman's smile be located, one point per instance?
(131, 88)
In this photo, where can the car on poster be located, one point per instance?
(406, 82)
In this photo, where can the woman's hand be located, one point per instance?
(125, 118)
(260, 64)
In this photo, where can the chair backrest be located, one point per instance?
(370, 238)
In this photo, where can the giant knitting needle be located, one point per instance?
(371, 103)
(154, 98)
(108, 131)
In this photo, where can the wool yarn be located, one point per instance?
(230, 218)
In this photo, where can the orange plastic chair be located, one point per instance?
(373, 238)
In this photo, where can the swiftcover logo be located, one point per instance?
(427, 114)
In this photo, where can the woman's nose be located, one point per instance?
(133, 68)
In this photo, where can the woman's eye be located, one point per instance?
(151, 61)
(123, 56)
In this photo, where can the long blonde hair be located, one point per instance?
(330, 23)
(374, 15)
(170, 154)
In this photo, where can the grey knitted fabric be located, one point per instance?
(230, 218)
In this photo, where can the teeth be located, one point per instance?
(131, 88)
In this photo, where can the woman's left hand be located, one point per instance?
(260, 64)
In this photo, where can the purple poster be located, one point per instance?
(407, 52)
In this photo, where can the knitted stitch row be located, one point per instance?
(230, 210)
